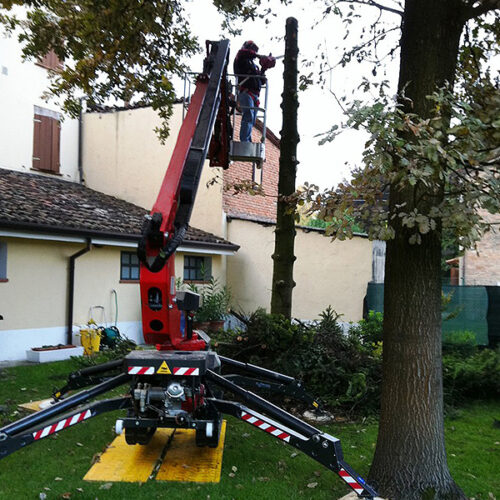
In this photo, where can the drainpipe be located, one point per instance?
(72, 258)
(80, 142)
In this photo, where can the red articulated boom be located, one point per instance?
(164, 324)
(180, 385)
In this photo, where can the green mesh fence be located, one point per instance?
(470, 303)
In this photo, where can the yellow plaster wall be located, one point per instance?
(207, 210)
(97, 273)
(123, 157)
(37, 288)
(35, 294)
(326, 273)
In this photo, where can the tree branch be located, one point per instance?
(371, 3)
(357, 48)
(482, 7)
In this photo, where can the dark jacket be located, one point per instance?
(244, 65)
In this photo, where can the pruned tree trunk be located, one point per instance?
(410, 457)
(283, 256)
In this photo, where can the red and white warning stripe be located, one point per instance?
(258, 421)
(185, 370)
(351, 481)
(62, 424)
(141, 370)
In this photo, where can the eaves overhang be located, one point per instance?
(106, 238)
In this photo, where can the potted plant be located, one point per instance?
(215, 303)
(201, 316)
(202, 319)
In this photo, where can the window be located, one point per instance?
(46, 140)
(3, 261)
(197, 268)
(50, 61)
(257, 173)
(129, 266)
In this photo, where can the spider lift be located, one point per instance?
(181, 383)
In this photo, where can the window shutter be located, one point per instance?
(37, 141)
(55, 145)
(46, 143)
(50, 61)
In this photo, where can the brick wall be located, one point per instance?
(257, 206)
(483, 267)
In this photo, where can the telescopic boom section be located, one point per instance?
(164, 229)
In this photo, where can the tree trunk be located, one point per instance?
(410, 457)
(283, 256)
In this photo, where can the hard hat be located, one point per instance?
(250, 45)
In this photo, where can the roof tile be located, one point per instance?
(45, 203)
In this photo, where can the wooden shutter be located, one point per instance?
(37, 141)
(55, 145)
(46, 143)
(50, 61)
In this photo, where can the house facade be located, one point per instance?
(68, 252)
(482, 266)
(35, 136)
(123, 157)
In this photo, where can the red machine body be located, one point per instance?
(162, 326)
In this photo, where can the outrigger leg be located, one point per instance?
(319, 445)
(273, 381)
(61, 415)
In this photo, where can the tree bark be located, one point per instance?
(410, 457)
(283, 256)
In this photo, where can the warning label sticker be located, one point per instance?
(164, 369)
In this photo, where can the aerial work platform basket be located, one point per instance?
(254, 152)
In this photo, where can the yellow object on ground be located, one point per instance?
(186, 462)
(91, 340)
(129, 463)
(183, 460)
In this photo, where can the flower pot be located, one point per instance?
(217, 325)
(201, 325)
(55, 353)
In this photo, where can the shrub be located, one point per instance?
(476, 376)
(369, 330)
(267, 341)
(460, 342)
(340, 369)
(344, 370)
(334, 366)
(215, 300)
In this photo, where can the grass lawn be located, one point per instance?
(266, 467)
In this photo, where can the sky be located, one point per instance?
(324, 165)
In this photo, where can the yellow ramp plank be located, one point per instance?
(129, 463)
(184, 461)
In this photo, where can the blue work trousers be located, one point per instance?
(249, 114)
